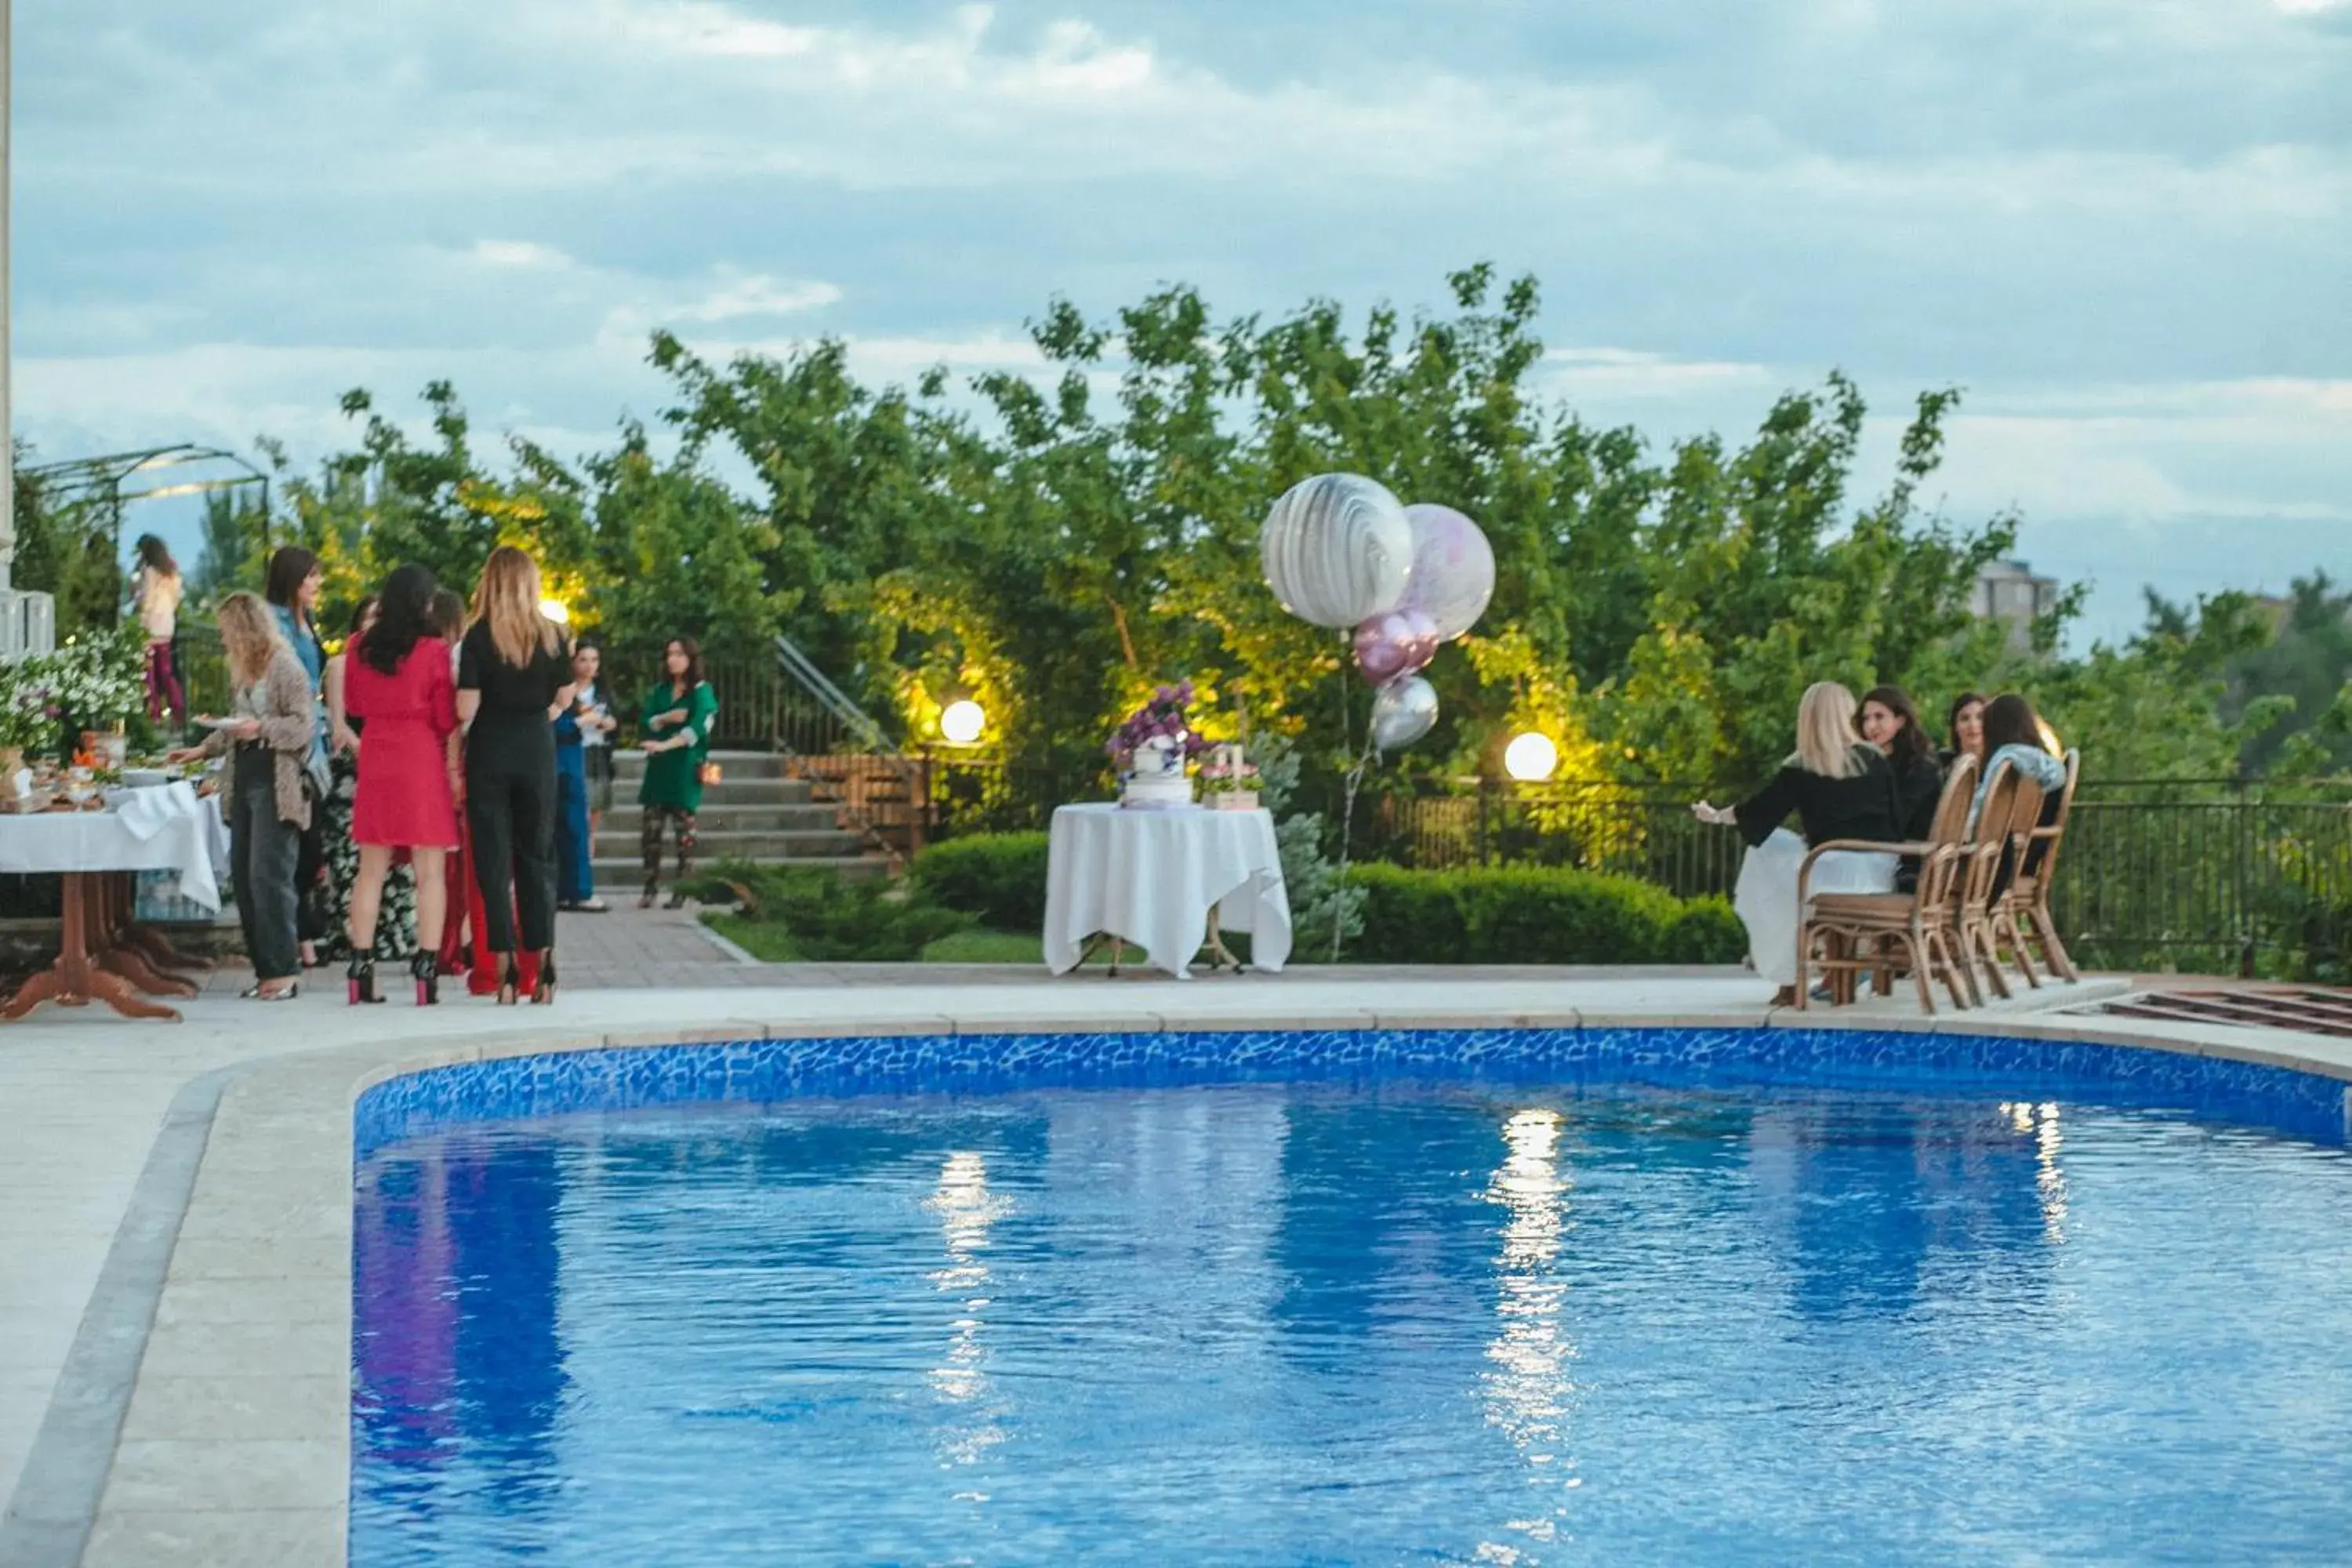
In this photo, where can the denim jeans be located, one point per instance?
(262, 852)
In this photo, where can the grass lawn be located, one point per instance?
(987, 947)
(771, 941)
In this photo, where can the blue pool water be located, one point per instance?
(1353, 1323)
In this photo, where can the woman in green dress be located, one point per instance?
(675, 731)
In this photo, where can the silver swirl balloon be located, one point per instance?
(1337, 550)
(1402, 712)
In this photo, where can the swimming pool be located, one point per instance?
(1515, 1297)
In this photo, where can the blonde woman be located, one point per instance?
(514, 676)
(1838, 786)
(268, 735)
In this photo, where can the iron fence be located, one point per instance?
(760, 708)
(2208, 876)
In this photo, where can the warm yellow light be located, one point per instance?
(554, 610)
(1531, 757)
(961, 721)
(2049, 737)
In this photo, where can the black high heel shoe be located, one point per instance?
(360, 979)
(426, 968)
(544, 991)
(509, 983)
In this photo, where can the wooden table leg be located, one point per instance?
(128, 930)
(1094, 945)
(132, 965)
(1221, 956)
(75, 980)
(109, 945)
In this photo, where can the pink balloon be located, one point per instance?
(1397, 643)
(1452, 569)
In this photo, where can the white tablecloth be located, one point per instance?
(1151, 877)
(163, 828)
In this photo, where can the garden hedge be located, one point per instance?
(999, 877)
(1528, 914)
(1535, 914)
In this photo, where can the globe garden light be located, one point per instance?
(555, 610)
(961, 721)
(1531, 757)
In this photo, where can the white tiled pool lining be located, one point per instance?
(176, 1285)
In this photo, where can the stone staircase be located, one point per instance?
(753, 813)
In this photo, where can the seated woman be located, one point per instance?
(1838, 786)
(1890, 723)
(1963, 731)
(2012, 734)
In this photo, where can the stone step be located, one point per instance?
(727, 845)
(628, 762)
(737, 816)
(733, 789)
(615, 874)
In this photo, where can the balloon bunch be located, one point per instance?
(1339, 550)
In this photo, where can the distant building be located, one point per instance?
(2009, 591)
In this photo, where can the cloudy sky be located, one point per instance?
(2125, 226)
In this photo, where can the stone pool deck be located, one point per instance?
(174, 1242)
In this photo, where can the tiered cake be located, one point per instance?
(1155, 780)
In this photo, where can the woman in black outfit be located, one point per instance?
(1838, 787)
(514, 675)
(1890, 722)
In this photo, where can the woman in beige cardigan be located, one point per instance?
(267, 738)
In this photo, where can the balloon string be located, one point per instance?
(1347, 836)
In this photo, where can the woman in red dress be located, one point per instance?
(397, 680)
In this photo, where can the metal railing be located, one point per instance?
(2211, 875)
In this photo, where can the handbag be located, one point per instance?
(707, 772)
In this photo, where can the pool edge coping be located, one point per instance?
(257, 1262)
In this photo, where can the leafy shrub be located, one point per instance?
(1512, 914)
(1705, 931)
(822, 918)
(1533, 914)
(1000, 877)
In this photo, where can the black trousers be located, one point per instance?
(511, 806)
(262, 852)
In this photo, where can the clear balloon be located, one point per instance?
(1402, 712)
(1337, 550)
(1452, 569)
(1397, 643)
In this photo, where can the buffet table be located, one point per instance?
(103, 953)
(1165, 881)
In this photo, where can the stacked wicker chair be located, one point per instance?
(1880, 932)
(2022, 918)
(2012, 802)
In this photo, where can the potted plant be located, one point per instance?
(97, 682)
(28, 718)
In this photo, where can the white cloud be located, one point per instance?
(2120, 223)
(1591, 375)
(520, 254)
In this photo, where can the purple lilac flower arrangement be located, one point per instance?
(1162, 718)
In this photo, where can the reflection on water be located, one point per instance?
(459, 1367)
(966, 1209)
(1527, 1386)
(2050, 1181)
(1394, 1323)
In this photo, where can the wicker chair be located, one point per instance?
(2022, 915)
(2013, 806)
(1882, 932)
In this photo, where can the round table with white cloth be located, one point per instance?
(103, 953)
(1152, 878)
